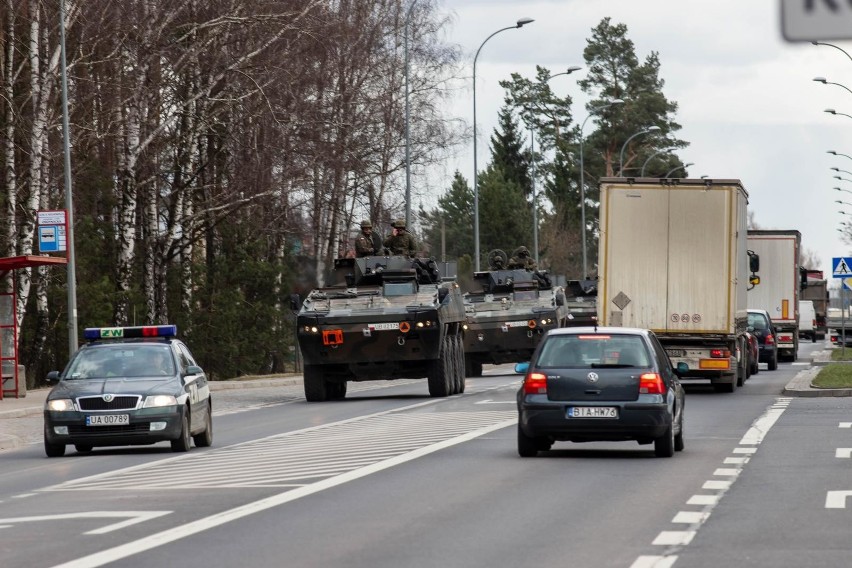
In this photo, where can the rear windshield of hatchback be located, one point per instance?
(758, 321)
(593, 351)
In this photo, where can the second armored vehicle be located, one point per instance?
(508, 314)
(388, 318)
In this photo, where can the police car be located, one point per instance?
(128, 386)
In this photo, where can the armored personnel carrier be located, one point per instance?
(387, 318)
(508, 313)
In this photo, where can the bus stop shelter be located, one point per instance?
(12, 383)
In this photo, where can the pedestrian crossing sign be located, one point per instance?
(841, 267)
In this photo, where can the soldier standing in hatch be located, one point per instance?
(400, 241)
(368, 243)
(522, 259)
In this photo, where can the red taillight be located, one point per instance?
(535, 383)
(719, 353)
(769, 339)
(651, 383)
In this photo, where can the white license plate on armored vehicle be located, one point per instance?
(384, 326)
(592, 412)
(108, 420)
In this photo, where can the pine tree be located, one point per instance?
(453, 217)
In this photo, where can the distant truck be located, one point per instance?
(780, 281)
(816, 290)
(673, 258)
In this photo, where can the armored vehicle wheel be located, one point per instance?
(440, 371)
(316, 389)
(461, 365)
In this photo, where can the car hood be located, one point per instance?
(89, 387)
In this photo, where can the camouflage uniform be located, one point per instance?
(368, 244)
(402, 244)
(522, 259)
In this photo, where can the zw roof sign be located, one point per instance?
(811, 20)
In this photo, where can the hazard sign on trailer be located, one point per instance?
(841, 267)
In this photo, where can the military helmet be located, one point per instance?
(398, 224)
(523, 251)
(365, 224)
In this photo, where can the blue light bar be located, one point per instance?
(92, 333)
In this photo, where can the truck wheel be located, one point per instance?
(316, 389)
(338, 390)
(461, 366)
(439, 372)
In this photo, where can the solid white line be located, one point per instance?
(690, 517)
(194, 527)
(703, 500)
(843, 453)
(836, 499)
(761, 426)
(674, 538)
(654, 562)
(717, 484)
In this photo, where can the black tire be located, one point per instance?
(755, 366)
(664, 446)
(54, 450)
(477, 369)
(316, 388)
(83, 448)
(528, 447)
(773, 363)
(205, 439)
(461, 365)
(678, 439)
(439, 372)
(184, 441)
(726, 387)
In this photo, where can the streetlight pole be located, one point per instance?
(845, 190)
(834, 46)
(841, 178)
(626, 142)
(519, 24)
(593, 112)
(838, 170)
(825, 81)
(407, 119)
(651, 157)
(676, 168)
(532, 170)
(833, 153)
(69, 203)
(832, 111)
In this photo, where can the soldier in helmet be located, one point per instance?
(522, 259)
(368, 243)
(400, 241)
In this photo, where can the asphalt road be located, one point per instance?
(391, 477)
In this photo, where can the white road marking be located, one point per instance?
(489, 401)
(690, 517)
(717, 484)
(843, 453)
(654, 562)
(836, 499)
(727, 471)
(745, 450)
(761, 426)
(133, 517)
(674, 538)
(845, 425)
(801, 364)
(703, 500)
(732, 461)
(194, 527)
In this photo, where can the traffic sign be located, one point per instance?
(841, 267)
(810, 20)
(846, 283)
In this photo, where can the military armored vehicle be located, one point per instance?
(387, 318)
(508, 313)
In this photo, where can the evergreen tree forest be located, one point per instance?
(223, 154)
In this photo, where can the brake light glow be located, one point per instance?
(593, 337)
(651, 383)
(535, 383)
(770, 340)
(719, 353)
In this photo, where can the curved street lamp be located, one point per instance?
(842, 202)
(832, 111)
(839, 170)
(833, 153)
(652, 156)
(841, 178)
(532, 172)
(834, 46)
(705, 176)
(676, 168)
(626, 142)
(593, 112)
(519, 24)
(846, 190)
(825, 81)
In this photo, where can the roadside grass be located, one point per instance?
(839, 354)
(834, 375)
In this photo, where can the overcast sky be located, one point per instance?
(747, 103)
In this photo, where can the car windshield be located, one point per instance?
(757, 321)
(593, 351)
(125, 361)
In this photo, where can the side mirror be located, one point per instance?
(295, 302)
(753, 261)
(522, 368)
(193, 370)
(52, 378)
